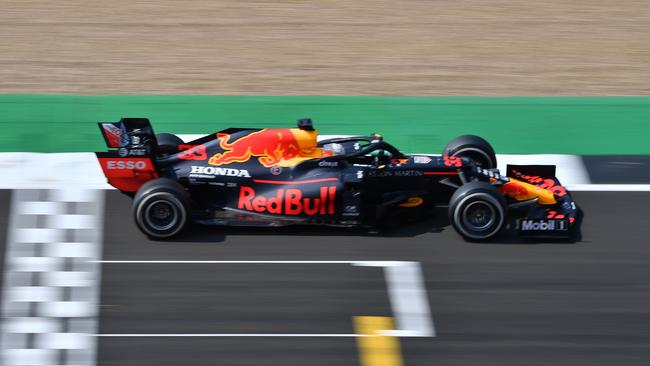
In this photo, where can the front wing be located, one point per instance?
(558, 220)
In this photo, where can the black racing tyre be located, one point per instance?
(167, 144)
(161, 208)
(473, 147)
(477, 210)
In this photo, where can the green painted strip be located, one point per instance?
(571, 125)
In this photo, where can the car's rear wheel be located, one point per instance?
(161, 208)
(474, 148)
(477, 211)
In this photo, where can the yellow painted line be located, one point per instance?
(376, 349)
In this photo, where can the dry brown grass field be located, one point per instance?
(326, 47)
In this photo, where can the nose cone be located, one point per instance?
(522, 191)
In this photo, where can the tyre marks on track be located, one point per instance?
(50, 291)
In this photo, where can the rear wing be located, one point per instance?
(128, 133)
(130, 160)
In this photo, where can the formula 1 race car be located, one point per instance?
(281, 176)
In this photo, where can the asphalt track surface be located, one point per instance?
(501, 303)
(507, 302)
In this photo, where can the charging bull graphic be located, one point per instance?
(277, 146)
(521, 191)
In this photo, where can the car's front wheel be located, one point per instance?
(472, 147)
(477, 210)
(161, 208)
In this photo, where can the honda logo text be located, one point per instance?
(211, 172)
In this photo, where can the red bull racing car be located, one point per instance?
(282, 176)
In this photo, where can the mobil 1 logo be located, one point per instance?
(543, 225)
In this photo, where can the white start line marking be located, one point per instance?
(51, 278)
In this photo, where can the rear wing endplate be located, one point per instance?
(128, 133)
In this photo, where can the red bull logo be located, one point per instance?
(290, 201)
(514, 190)
(522, 191)
(270, 146)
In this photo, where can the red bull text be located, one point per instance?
(290, 201)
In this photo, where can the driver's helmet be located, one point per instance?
(333, 149)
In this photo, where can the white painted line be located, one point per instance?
(64, 341)
(30, 356)
(75, 195)
(40, 208)
(408, 298)
(68, 279)
(406, 333)
(68, 309)
(38, 235)
(30, 325)
(34, 264)
(32, 294)
(363, 263)
(226, 262)
(379, 263)
(71, 222)
(70, 250)
(291, 335)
